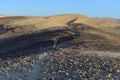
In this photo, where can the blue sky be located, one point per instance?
(92, 8)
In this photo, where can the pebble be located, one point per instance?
(118, 70)
(57, 66)
(67, 74)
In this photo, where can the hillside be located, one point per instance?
(14, 28)
(44, 22)
(83, 50)
(109, 22)
(86, 36)
(1, 15)
(63, 19)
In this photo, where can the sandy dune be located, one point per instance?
(58, 20)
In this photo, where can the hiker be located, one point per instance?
(54, 42)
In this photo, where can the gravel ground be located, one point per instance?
(62, 65)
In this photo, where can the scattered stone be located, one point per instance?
(60, 66)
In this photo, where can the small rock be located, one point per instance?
(67, 74)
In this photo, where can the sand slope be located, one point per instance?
(59, 20)
(30, 24)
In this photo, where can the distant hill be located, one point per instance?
(1, 15)
(63, 19)
(108, 22)
(107, 19)
(59, 20)
(29, 24)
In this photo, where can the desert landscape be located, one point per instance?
(85, 48)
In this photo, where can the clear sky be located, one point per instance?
(92, 8)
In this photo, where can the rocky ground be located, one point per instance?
(63, 64)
